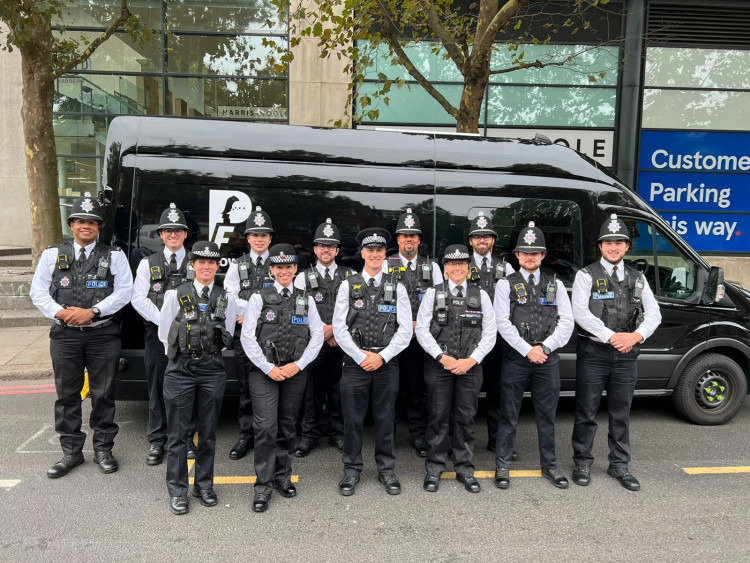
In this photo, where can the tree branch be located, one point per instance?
(535, 64)
(75, 61)
(447, 40)
(483, 44)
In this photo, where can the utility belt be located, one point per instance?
(87, 328)
(202, 355)
(595, 341)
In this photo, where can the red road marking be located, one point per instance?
(27, 389)
(4, 387)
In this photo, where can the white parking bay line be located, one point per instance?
(8, 483)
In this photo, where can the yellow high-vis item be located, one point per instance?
(85, 390)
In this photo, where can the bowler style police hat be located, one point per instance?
(614, 229)
(86, 207)
(481, 225)
(206, 250)
(531, 239)
(327, 233)
(259, 222)
(172, 218)
(282, 254)
(456, 252)
(373, 236)
(408, 224)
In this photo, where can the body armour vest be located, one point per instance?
(487, 279)
(416, 281)
(82, 285)
(372, 317)
(533, 311)
(283, 330)
(252, 277)
(194, 329)
(618, 305)
(456, 322)
(324, 292)
(162, 278)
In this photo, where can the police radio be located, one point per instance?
(389, 290)
(220, 311)
(101, 270)
(242, 270)
(190, 272)
(638, 289)
(300, 305)
(500, 270)
(552, 290)
(441, 305)
(312, 279)
(427, 270)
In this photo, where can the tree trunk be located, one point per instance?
(472, 96)
(39, 138)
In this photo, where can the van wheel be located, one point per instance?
(711, 390)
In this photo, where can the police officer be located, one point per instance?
(417, 274)
(535, 319)
(322, 397)
(456, 327)
(372, 323)
(195, 323)
(156, 274)
(82, 285)
(282, 333)
(486, 271)
(244, 278)
(615, 310)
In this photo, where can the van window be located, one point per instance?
(651, 252)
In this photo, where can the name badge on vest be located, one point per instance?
(203, 306)
(608, 295)
(457, 302)
(95, 284)
(386, 308)
(267, 284)
(545, 301)
(299, 320)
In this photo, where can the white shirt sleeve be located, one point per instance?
(231, 314)
(502, 318)
(424, 319)
(232, 285)
(40, 284)
(123, 285)
(437, 275)
(489, 329)
(403, 335)
(565, 324)
(248, 339)
(316, 335)
(299, 280)
(341, 329)
(651, 312)
(139, 299)
(167, 314)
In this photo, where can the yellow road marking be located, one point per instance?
(191, 463)
(8, 483)
(716, 470)
(491, 474)
(239, 480)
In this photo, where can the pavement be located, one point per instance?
(24, 353)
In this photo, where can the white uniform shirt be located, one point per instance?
(424, 317)
(341, 333)
(437, 275)
(582, 288)
(250, 342)
(40, 284)
(232, 280)
(509, 332)
(142, 284)
(171, 307)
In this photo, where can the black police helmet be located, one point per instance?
(172, 218)
(408, 224)
(481, 225)
(259, 222)
(86, 207)
(531, 239)
(614, 229)
(327, 233)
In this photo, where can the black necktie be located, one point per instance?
(328, 275)
(204, 293)
(615, 277)
(285, 293)
(532, 282)
(82, 255)
(259, 261)
(459, 291)
(371, 282)
(484, 264)
(408, 266)
(173, 262)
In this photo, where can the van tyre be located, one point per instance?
(711, 390)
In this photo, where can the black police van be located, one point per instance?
(218, 171)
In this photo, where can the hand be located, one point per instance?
(289, 370)
(461, 367)
(448, 361)
(276, 374)
(413, 329)
(623, 342)
(65, 314)
(372, 362)
(240, 319)
(327, 332)
(536, 355)
(79, 317)
(332, 342)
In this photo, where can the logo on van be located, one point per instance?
(226, 210)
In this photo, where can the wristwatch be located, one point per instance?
(439, 357)
(97, 313)
(546, 349)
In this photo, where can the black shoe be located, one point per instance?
(106, 461)
(240, 449)
(582, 475)
(337, 443)
(207, 496)
(63, 467)
(155, 454)
(347, 485)
(625, 478)
(420, 446)
(502, 478)
(431, 483)
(470, 483)
(304, 448)
(391, 484)
(179, 505)
(286, 489)
(260, 502)
(556, 477)
(192, 449)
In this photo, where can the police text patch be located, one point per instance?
(95, 284)
(386, 308)
(608, 295)
(299, 320)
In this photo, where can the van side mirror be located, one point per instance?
(105, 195)
(714, 290)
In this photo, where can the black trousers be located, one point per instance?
(411, 370)
(600, 367)
(188, 382)
(243, 366)
(491, 369)
(451, 399)
(73, 350)
(544, 380)
(156, 364)
(322, 405)
(275, 408)
(355, 397)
